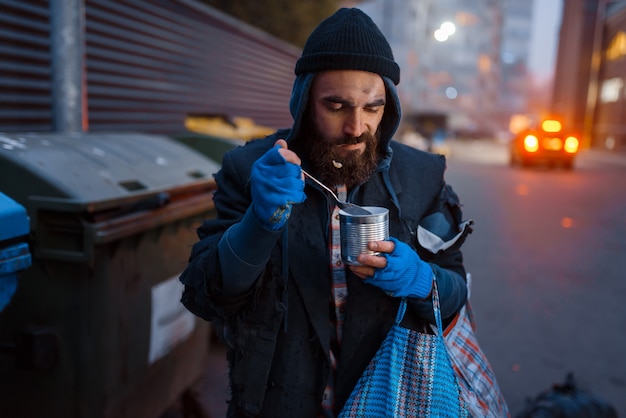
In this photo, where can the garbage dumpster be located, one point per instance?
(96, 321)
(210, 146)
(14, 252)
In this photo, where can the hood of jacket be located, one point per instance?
(389, 123)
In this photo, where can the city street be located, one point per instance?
(547, 261)
(114, 117)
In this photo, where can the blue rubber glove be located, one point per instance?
(406, 275)
(275, 185)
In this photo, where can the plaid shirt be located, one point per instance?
(338, 301)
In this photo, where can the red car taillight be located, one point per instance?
(531, 143)
(571, 145)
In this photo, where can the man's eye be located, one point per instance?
(373, 109)
(335, 106)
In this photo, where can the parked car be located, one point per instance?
(547, 144)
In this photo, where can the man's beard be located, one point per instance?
(334, 167)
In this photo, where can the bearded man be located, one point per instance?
(300, 326)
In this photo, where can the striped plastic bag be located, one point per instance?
(476, 378)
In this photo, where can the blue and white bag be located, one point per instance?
(409, 376)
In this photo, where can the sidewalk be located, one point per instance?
(212, 391)
(492, 151)
(605, 157)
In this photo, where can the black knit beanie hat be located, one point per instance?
(348, 40)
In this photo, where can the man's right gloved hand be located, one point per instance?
(405, 274)
(276, 185)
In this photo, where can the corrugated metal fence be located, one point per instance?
(148, 64)
(25, 84)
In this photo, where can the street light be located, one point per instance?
(445, 30)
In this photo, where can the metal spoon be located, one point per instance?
(350, 208)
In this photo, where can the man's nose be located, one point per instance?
(354, 124)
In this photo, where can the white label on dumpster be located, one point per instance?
(171, 321)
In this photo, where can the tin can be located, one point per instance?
(358, 230)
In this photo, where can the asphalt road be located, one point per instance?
(548, 266)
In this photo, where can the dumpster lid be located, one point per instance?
(96, 170)
(14, 221)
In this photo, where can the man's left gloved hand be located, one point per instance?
(405, 275)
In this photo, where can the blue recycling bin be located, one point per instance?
(14, 252)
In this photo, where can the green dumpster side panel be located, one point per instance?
(101, 245)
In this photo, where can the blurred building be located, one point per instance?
(516, 35)
(589, 91)
(474, 75)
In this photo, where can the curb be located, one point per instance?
(604, 157)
